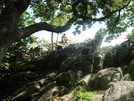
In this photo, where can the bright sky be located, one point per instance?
(88, 33)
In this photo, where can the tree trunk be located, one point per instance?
(57, 39)
(52, 40)
(9, 19)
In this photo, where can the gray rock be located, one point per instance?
(120, 91)
(80, 63)
(111, 59)
(97, 98)
(131, 69)
(120, 55)
(126, 77)
(98, 62)
(66, 78)
(104, 77)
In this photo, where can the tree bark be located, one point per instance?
(9, 19)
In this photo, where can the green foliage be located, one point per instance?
(26, 19)
(83, 94)
(51, 11)
(100, 34)
(130, 36)
(117, 14)
(14, 57)
(105, 49)
(38, 42)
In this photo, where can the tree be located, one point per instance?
(105, 49)
(130, 36)
(16, 23)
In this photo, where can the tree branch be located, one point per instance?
(104, 17)
(74, 5)
(22, 5)
(45, 26)
(58, 29)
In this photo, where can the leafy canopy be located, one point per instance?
(117, 15)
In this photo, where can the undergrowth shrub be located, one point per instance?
(83, 94)
(14, 57)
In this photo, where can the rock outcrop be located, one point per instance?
(105, 76)
(119, 56)
(112, 73)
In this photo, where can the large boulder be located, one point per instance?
(105, 76)
(123, 56)
(54, 61)
(126, 77)
(132, 52)
(80, 63)
(120, 55)
(120, 91)
(66, 78)
(98, 62)
(111, 59)
(49, 62)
